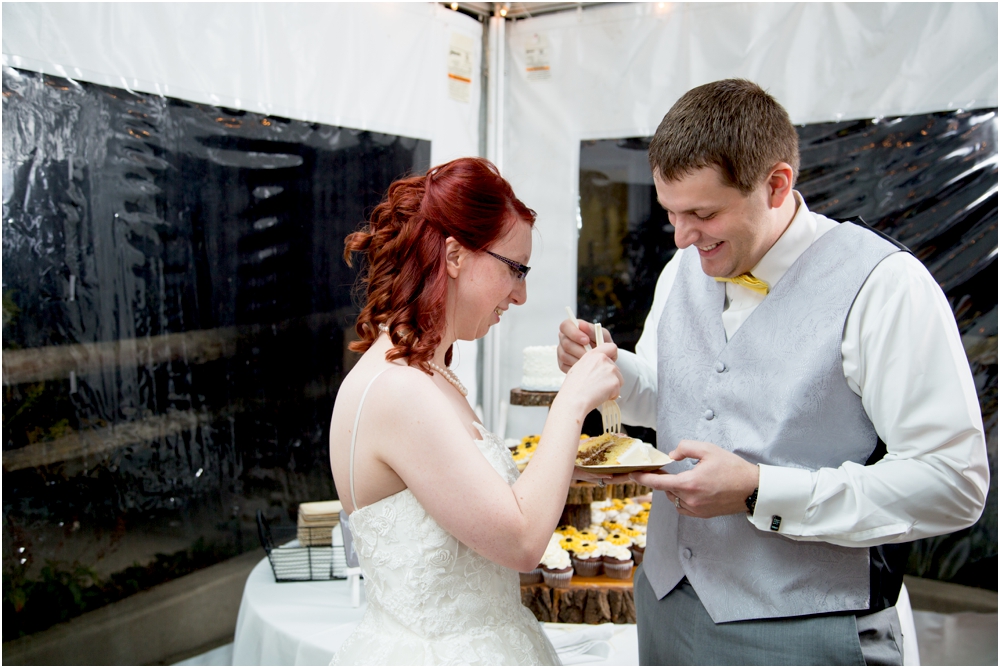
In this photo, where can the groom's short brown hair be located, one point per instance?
(732, 124)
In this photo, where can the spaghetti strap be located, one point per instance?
(354, 436)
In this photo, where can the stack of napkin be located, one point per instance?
(316, 521)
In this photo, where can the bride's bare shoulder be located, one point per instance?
(396, 390)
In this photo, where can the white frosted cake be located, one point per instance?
(541, 370)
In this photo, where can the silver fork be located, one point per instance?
(611, 414)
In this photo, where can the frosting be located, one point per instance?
(541, 369)
(555, 558)
(619, 538)
(620, 552)
(639, 541)
(569, 542)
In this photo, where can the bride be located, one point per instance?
(441, 521)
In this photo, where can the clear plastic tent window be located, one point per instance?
(176, 312)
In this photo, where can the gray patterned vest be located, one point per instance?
(774, 394)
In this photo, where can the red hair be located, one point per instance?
(404, 274)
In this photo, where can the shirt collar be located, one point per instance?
(797, 237)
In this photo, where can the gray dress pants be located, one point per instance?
(677, 631)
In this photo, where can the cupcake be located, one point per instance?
(638, 548)
(613, 526)
(617, 561)
(531, 577)
(557, 570)
(587, 534)
(587, 559)
(566, 529)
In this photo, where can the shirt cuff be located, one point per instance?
(783, 495)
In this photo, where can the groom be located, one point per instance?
(808, 379)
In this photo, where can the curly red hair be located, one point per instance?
(404, 275)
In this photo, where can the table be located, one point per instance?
(304, 623)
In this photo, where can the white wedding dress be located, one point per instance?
(431, 599)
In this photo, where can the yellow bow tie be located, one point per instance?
(748, 281)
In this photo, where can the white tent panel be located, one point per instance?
(371, 66)
(615, 70)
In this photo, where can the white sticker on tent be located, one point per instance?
(536, 58)
(460, 67)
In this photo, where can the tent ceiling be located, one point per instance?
(515, 10)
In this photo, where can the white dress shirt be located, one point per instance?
(903, 356)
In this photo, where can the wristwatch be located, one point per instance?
(752, 501)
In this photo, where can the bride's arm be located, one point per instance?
(420, 437)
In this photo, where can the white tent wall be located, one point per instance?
(615, 70)
(370, 66)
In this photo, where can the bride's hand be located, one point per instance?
(594, 379)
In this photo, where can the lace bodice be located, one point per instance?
(432, 599)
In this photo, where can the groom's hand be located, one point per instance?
(719, 484)
(574, 337)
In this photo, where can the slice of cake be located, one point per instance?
(541, 370)
(606, 450)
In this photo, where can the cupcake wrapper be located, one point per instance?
(637, 553)
(587, 568)
(619, 571)
(558, 580)
(532, 577)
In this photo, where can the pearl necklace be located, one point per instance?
(446, 373)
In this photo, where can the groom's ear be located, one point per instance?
(454, 256)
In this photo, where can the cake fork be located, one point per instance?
(611, 414)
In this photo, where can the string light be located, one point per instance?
(454, 6)
(503, 11)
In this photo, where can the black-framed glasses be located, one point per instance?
(520, 269)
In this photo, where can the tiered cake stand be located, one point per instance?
(587, 600)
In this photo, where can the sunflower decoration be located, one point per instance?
(619, 538)
(587, 534)
(612, 526)
(567, 530)
(641, 518)
(571, 542)
(646, 505)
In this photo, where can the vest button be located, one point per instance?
(686, 552)
(720, 367)
(709, 414)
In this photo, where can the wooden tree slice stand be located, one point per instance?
(581, 494)
(587, 601)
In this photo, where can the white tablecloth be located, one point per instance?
(304, 623)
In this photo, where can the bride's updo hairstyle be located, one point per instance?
(402, 246)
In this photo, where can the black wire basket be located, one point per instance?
(294, 562)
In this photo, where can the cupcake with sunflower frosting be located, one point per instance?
(617, 561)
(587, 534)
(640, 519)
(566, 530)
(587, 558)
